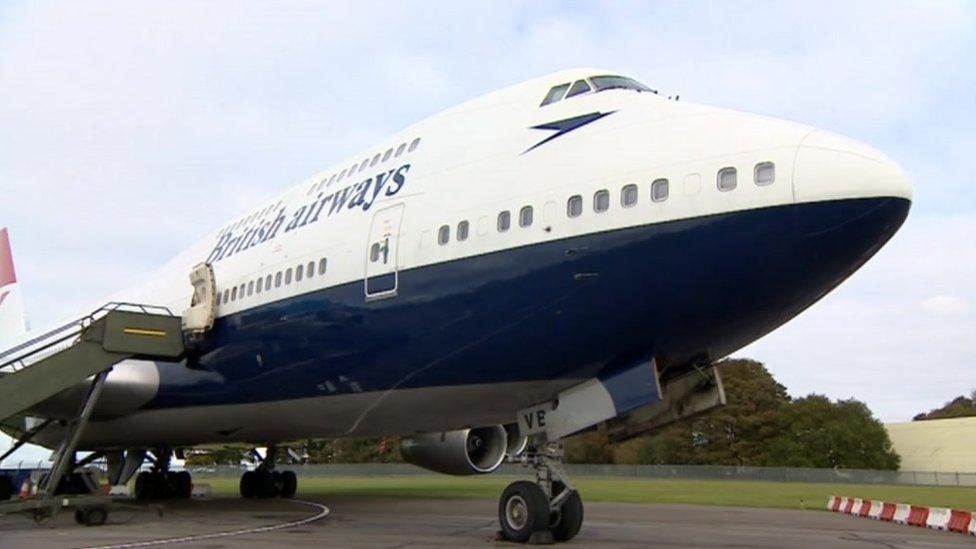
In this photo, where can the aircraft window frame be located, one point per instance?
(388, 154)
(226, 295)
(278, 278)
(761, 167)
(332, 179)
(376, 160)
(504, 222)
(288, 276)
(574, 206)
(258, 285)
(310, 269)
(400, 149)
(722, 183)
(620, 83)
(219, 296)
(233, 294)
(250, 288)
(463, 228)
(342, 174)
(573, 91)
(526, 215)
(660, 183)
(374, 252)
(413, 145)
(551, 95)
(363, 164)
(444, 234)
(601, 198)
(629, 191)
(267, 282)
(323, 266)
(299, 272)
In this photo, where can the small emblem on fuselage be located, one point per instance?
(562, 127)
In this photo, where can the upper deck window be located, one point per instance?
(555, 94)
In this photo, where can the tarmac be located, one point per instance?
(405, 523)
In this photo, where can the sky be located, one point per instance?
(130, 129)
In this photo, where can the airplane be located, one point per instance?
(570, 252)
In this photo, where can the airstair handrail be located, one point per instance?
(70, 330)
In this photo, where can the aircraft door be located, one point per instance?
(382, 277)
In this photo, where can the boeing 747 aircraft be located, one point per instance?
(572, 251)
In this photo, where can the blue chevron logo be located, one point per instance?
(562, 127)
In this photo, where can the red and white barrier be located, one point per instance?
(902, 511)
(936, 518)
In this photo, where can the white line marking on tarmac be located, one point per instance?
(323, 512)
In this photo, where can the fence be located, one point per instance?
(684, 472)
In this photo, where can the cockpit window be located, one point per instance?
(580, 86)
(611, 82)
(555, 94)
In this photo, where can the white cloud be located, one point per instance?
(945, 305)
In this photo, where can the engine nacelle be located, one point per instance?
(463, 452)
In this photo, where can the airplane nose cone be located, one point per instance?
(832, 167)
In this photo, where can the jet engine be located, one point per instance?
(462, 452)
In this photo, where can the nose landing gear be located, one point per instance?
(544, 511)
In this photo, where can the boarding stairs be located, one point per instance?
(84, 349)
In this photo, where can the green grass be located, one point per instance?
(630, 490)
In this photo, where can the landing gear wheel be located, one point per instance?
(248, 485)
(523, 510)
(567, 521)
(264, 482)
(289, 484)
(91, 516)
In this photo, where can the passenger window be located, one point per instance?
(267, 282)
(342, 174)
(726, 179)
(525, 216)
(332, 179)
(233, 294)
(555, 94)
(443, 235)
(374, 252)
(310, 270)
(278, 280)
(250, 288)
(400, 149)
(288, 276)
(226, 296)
(462, 231)
(363, 165)
(352, 170)
(574, 206)
(765, 173)
(219, 295)
(241, 293)
(322, 266)
(257, 287)
(628, 197)
(299, 273)
(659, 190)
(387, 155)
(504, 221)
(601, 201)
(413, 145)
(580, 86)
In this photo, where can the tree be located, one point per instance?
(957, 407)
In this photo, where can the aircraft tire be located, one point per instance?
(569, 518)
(248, 485)
(522, 511)
(289, 484)
(264, 482)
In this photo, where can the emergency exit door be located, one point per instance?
(381, 253)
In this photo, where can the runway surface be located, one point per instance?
(406, 523)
